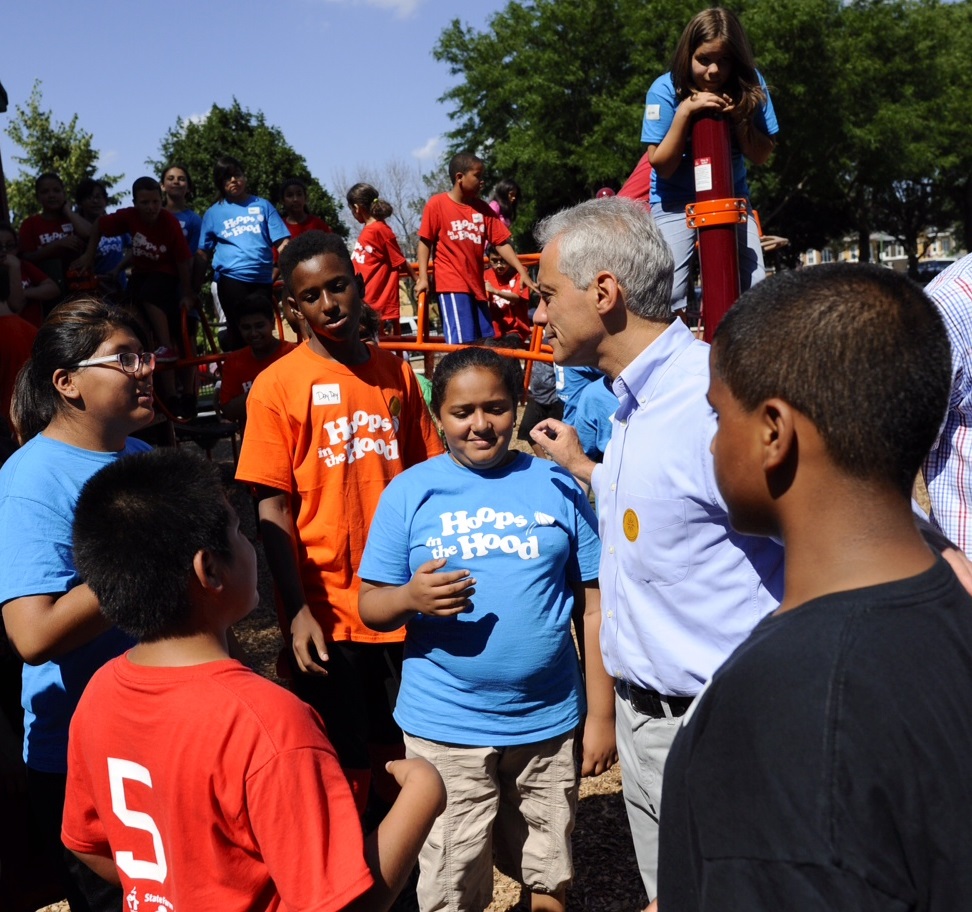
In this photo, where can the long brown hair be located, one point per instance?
(719, 24)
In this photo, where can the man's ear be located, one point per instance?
(208, 570)
(63, 381)
(608, 292)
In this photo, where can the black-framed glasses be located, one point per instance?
(130, 361)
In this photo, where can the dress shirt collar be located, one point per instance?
(637, 382)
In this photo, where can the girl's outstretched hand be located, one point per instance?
(439, 594)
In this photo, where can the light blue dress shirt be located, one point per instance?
(679, 588)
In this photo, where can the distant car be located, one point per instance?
(928, 269)
(409, 326)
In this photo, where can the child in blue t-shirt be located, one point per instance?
(240, 231)
(487, 555)
(712, 72)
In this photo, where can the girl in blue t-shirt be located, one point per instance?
(486, 555)
(712, 71)
(240, 230)
(87, 386)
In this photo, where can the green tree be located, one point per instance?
(871, 97)
(267, 156)
(48, 145)
(552, 93)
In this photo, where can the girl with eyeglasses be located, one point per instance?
(86, 388)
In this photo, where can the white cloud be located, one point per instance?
(430, 150)
(106, 158)
(402, 9)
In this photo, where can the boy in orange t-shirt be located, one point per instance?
(328, 427)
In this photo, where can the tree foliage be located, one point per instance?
(262, 148)
(48, 145)
(871, 97)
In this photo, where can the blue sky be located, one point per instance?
(351, 83)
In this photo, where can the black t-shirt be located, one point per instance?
(829, 763)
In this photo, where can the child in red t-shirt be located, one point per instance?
(55, 237)
(509, 300)
(456, 226)
(377, 257)
(181, 759)
(255, 322)
(297, 217)
(38, 287)
(161, 282)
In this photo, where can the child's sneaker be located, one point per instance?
(165, 355)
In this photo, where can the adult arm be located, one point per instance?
(561, 443)
(44, 627)
(45, 290)
(600, 750)
(277, 531)
(384, 607)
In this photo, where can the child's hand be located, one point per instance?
(439, 594)
(70, 243)
(307, 634)
(421, 286)
(600, 745)
(490, 289)
(705, 101)
(83, 263)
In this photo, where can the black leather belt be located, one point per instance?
(650, 702)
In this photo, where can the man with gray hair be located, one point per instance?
(679, 589)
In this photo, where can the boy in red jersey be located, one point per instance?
(161, 259)
(255, 324)
(182, 761)
(456, 226)
(509, 299)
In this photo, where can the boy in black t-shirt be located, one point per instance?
(826, 765)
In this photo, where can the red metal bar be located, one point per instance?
(718, 253)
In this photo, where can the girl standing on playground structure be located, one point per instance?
(86, 388)
(377, 257)
(712, 72)
(491, 690)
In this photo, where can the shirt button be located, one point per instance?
(611, 549)
(614, 487)
(610, 614)
(623, 422)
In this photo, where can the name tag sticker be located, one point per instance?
(326, 394)
(253, 210)
(630, 524)
(653, 112)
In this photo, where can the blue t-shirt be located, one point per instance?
(39, 489)
(571, 382)
(191, 224)
(679, 189)
(111, 251)
(505, 672)
(242, 236)
(592, 417)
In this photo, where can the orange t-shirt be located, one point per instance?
(16, 344)
(333, 437)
